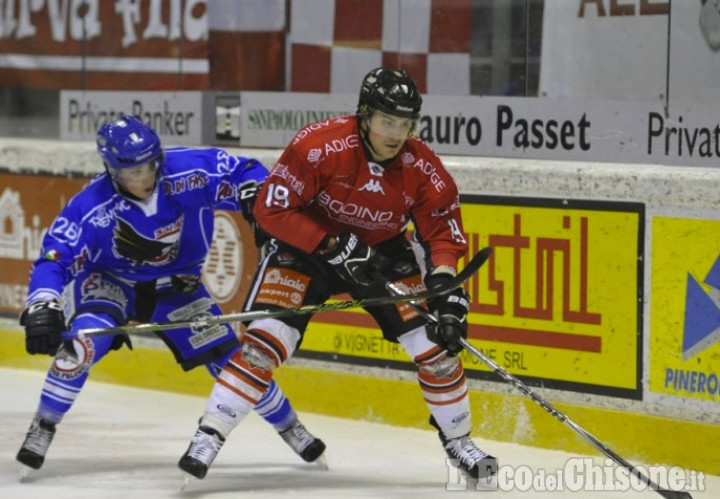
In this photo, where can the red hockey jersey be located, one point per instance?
(324, 184)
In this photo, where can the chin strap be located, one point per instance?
(367, 145)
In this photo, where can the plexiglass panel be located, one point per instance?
(641, 50)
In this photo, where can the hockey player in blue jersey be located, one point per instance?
(131, 246)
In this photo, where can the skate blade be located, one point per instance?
(187, 478)
(322, 462)
(24, 472)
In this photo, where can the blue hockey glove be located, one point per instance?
(451, 311)
(44, 322)
(351, 259)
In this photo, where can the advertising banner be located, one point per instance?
(176, 116)
(524, 128)
(271, 119)
(685, 308)
(559, 303)
(634, 50)
(639, 132)
(541, 128)
(105, 45)
(29, 204)
(604, 49)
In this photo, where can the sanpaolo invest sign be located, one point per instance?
(527, 128)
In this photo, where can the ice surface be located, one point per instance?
(120, 442)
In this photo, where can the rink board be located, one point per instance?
(685, 325)
(514, 418)
(559, 303)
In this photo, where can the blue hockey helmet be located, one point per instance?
(128, 142)
(391, 91)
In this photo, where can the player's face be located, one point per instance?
(139, 180)
(387, 134)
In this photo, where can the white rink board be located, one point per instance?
(682, 191)
(662, 187)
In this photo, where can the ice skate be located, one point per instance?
(467, 456)
(36, 444)
(200, 454)
(470, 459)
(305, 445)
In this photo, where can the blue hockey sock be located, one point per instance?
(275, 408)
(67, 375)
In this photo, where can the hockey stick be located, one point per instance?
(591, 439)
(550, 409)
(470, 268)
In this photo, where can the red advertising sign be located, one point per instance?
(98, 45)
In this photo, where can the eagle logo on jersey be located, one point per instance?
(131, 244)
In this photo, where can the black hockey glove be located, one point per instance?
(351, 259)
(247, 194)
(451, 311)
(44, 321)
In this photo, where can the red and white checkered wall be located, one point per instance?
(332, 44)
(300, 45)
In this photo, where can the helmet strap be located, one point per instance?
(365, 136)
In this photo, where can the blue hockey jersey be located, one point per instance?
(136, 241)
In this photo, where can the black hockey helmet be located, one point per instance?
(391, 91)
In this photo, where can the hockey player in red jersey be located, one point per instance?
(336, 206)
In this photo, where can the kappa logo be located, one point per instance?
(372, 185)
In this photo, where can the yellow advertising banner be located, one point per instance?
(559, 302)
(685, 308)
